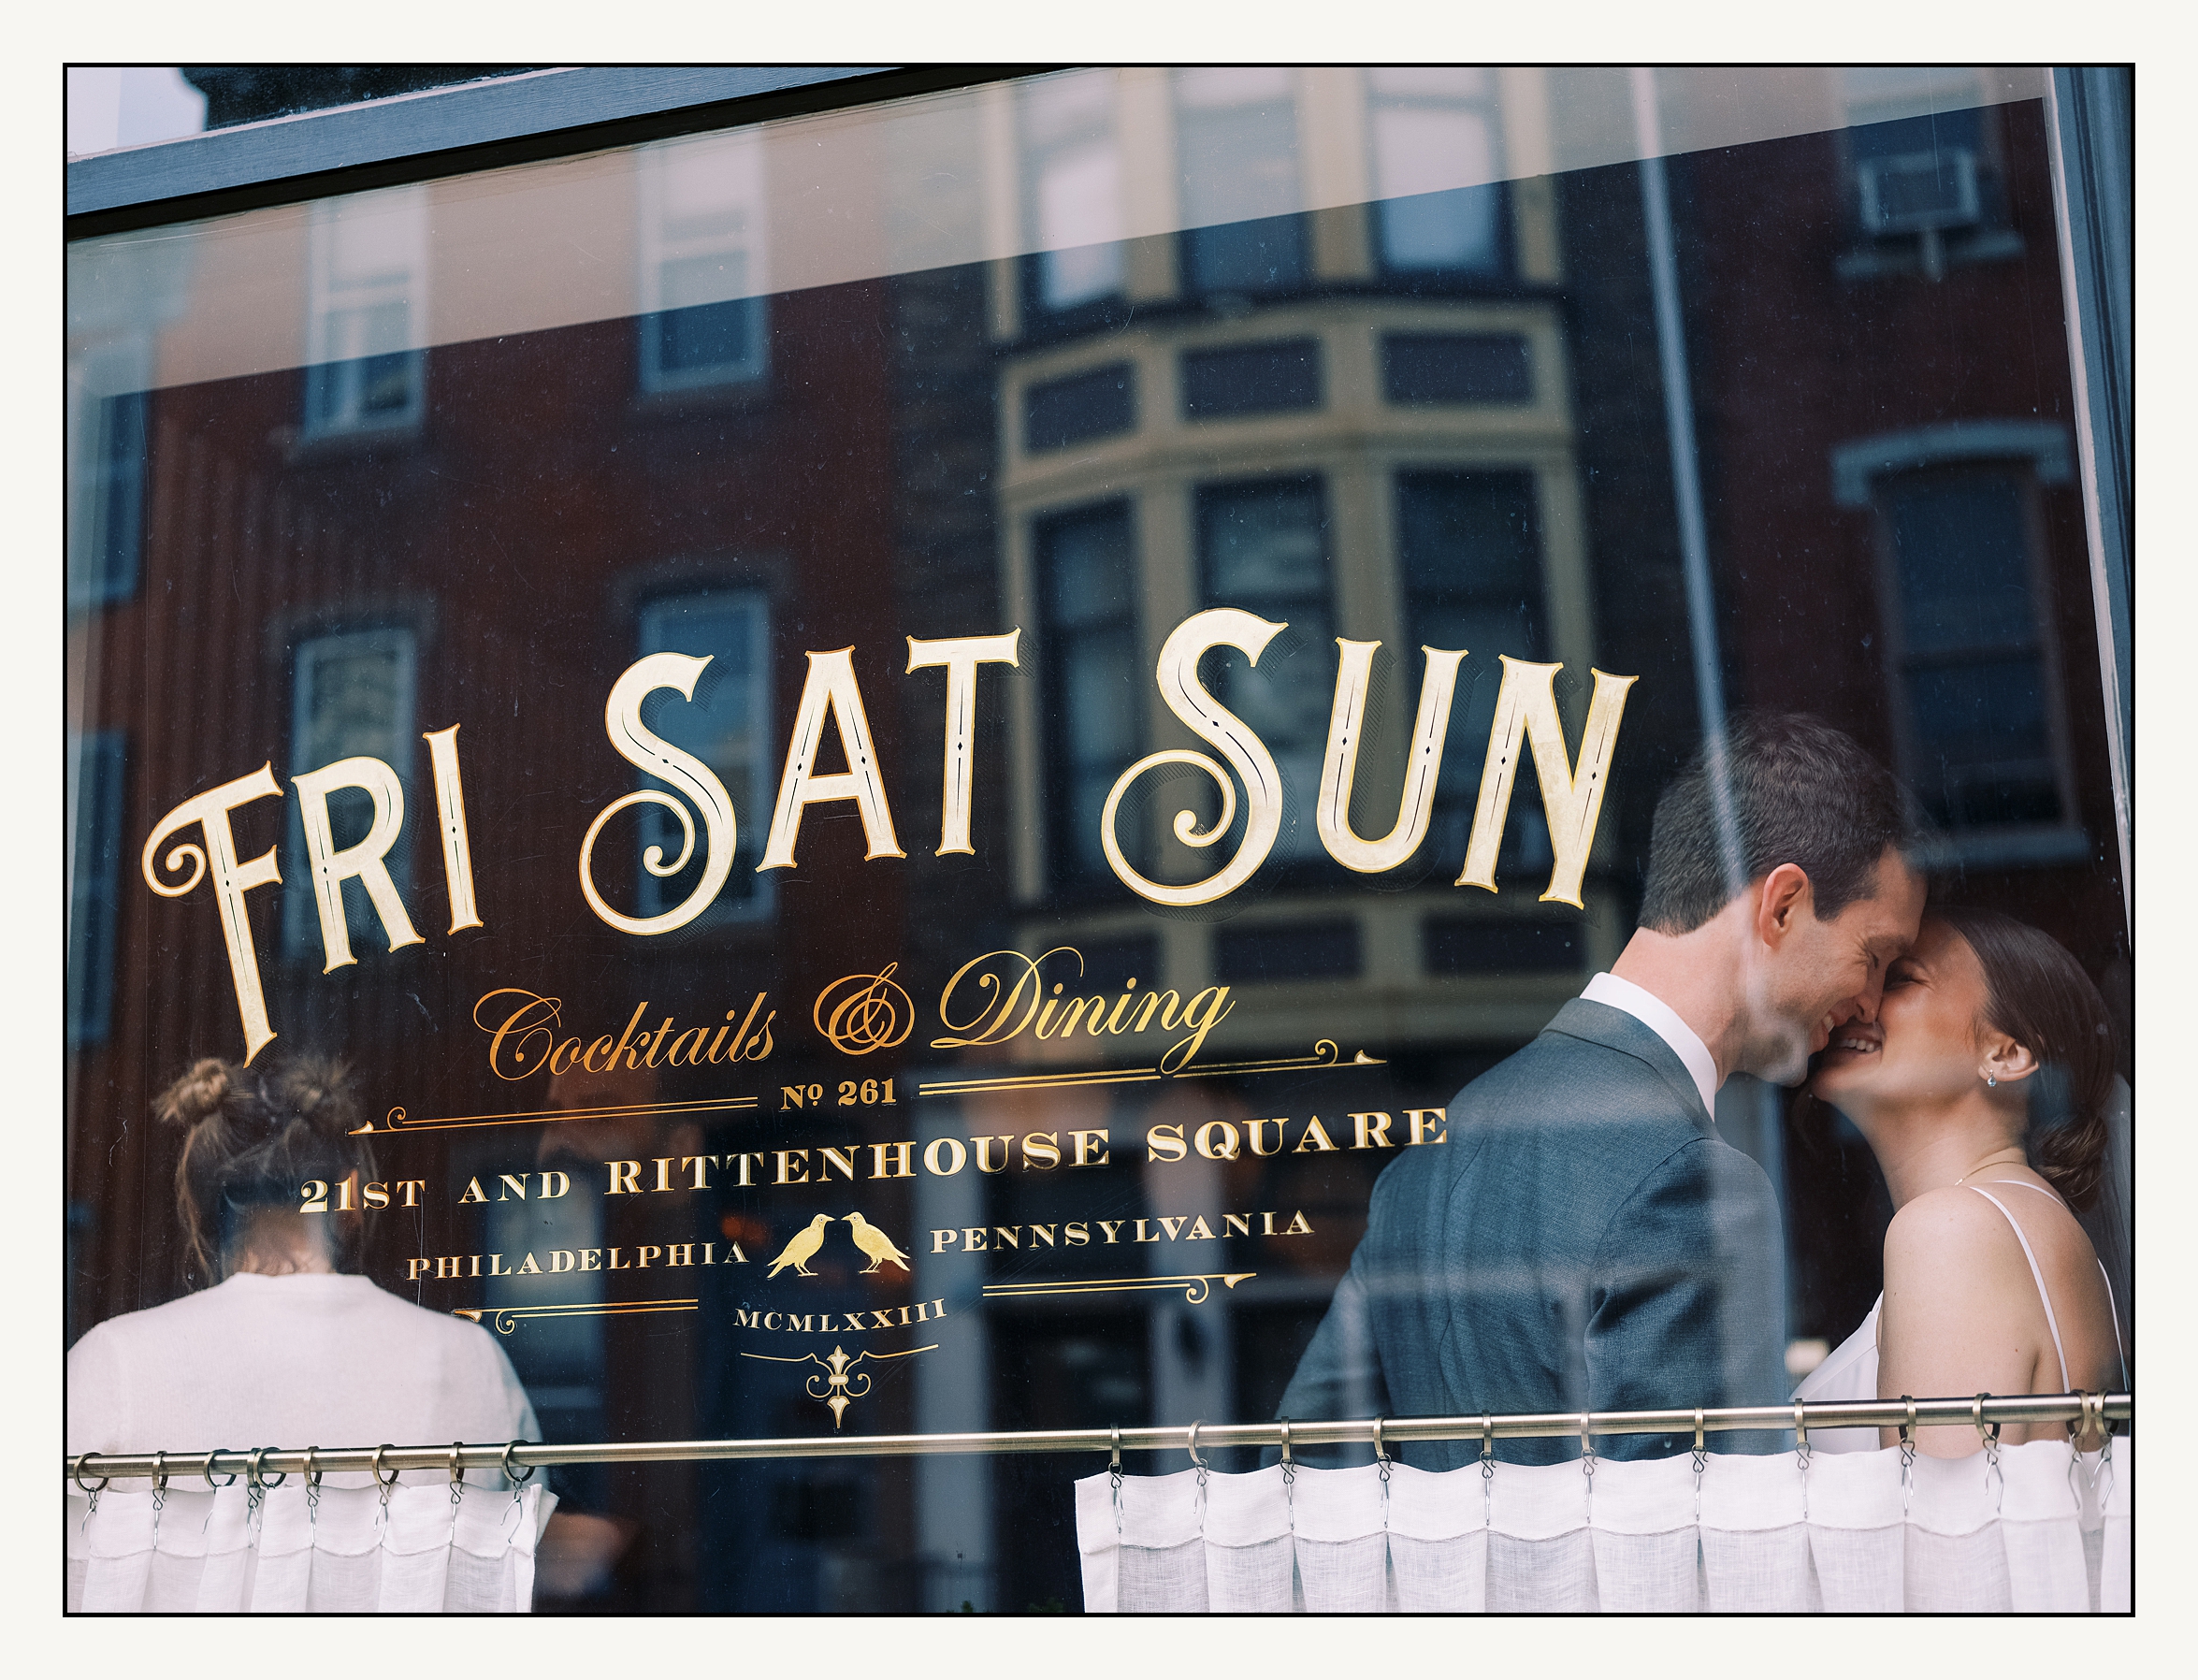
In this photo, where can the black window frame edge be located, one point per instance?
(525, 118)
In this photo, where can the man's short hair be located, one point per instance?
(1801, 792)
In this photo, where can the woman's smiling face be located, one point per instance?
(1922, 1049)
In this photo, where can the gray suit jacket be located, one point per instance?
(1583, 1242)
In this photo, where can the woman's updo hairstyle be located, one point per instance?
(252, 1137)
(2039, 995)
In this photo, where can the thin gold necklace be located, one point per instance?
(1988, 1161)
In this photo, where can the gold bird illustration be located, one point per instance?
(876, 1244)
(796, 1253)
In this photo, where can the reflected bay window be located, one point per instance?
(704, 317)
(1087, 578)
(352, 697)
(1978, 707)
(368, 311)
(108, 449)
(727, 725)
(1471, 551)
(1438, 153)
(1236, 134)
(1072, 184)
(1264, 547)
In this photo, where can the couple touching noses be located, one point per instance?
(1587, 1242)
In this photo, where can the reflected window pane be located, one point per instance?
(727, 725)
(1437, 154)
(1977, 726)
(1236, 135)
(1087, 579)
(1264, 547)
(352, 697)
(1072, 190)
(702, 264)
(367, 310)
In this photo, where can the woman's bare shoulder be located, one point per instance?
(1949, 1228)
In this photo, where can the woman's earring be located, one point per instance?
(1992, 1080)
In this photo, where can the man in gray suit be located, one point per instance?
(1584, 1241)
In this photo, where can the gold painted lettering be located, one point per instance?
(1571, 797)
(961, 656)
(1422, 1125)
(1314, 1129)
(1040, 1151)
(931, 1157)
(209, 811)
(1077, 1233)
(450, 811)
(829, 688)
(1367, 1134)
(625, 1178)
(1083, 1143)
(1165, 1143)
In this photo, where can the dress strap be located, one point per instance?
(2037, 1276)
(2113, 1314)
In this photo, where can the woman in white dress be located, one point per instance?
(279, 1341)
(1982, 1088)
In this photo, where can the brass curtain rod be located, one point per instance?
(1386, 1432)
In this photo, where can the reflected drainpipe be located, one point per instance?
(1694, 544)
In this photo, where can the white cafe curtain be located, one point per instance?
(2047, 1530)
(214, 1550)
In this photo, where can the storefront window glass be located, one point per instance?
(930, 736)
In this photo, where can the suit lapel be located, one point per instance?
(1614, 1029)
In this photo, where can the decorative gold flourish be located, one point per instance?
(1196, 1286)
(396, 1121)
(839, 1391)
(1324, 1054)
(506, 1319)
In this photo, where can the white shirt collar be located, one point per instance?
(1657, 1015)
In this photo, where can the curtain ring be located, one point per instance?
(1801, 1428)
(255, 1474)
(1586, 1447)
(1487, 1438)
(160, 1473)
(457, 1471)
(374, 1464)
(504, 1464)
(1908, 1429)
(1698, 1431)
(1380, 1451)
(1285, 1440)
(207, 1471)
(1191, 1446)
(312, 1472)
(76, 1473)
(1986, 1433)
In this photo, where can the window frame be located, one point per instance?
(301, 924)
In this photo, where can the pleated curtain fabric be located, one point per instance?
(2046, 1530)
(212, 1551)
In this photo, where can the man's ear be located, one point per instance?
(1784, 896)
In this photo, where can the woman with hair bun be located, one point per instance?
(1982, 1088)
(280, 1342)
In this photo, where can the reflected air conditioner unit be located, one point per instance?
(1918, 192)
